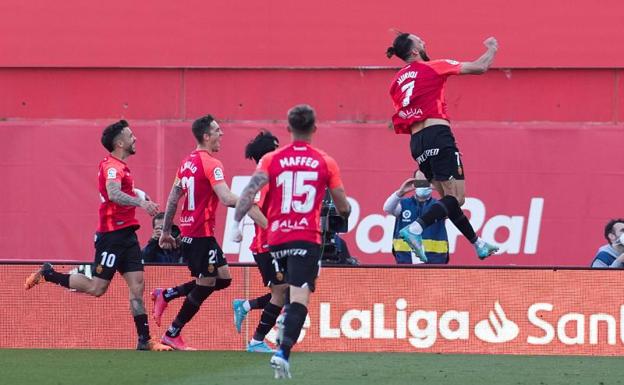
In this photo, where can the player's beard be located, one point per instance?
(423, 55)
(131, 149)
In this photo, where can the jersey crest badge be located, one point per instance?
(111, 173)
(218, 173)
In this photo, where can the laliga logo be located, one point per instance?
(497, 328)
(420, 328)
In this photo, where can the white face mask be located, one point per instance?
(620, 240)
(425, 193)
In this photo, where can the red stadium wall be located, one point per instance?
(324, 33)
(540, 134)
(339, 95)
(494, 311)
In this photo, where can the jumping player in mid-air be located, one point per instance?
(417, 92)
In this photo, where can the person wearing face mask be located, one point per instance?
(611, 255)
(406, 209)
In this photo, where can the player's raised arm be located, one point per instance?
(113, 188)
(483, 63)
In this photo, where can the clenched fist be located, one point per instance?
(491, 43)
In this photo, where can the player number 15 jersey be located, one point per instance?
(298, 176)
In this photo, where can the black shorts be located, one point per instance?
(117, 250)
(272, 272)
(301, 260)
(437, 155)
(203, 255)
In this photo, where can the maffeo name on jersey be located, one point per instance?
(299, 161)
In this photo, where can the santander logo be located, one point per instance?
(497, 328)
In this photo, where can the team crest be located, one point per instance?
(99, 269)
(279, 276)
(111, 173)
(211, 268)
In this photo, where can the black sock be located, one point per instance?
(456, 215)
(223, 283)
(436, 212)
(463, 225)
(58, 278)
(179, 291)
(142, 327)
(293, 322)
(267, 321)
(190, 307)
(260, 302)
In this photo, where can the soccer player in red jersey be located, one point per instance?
(417, 92)
(298, 176)
(116, 244)
(200, 181)
(272, 273)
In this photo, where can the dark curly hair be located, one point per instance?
(263, 143)
(111, 132)
(609, 227)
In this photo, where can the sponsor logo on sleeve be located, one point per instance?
(218, 173)
(452, 62)
(111, 173)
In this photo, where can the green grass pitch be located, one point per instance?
(119, 367)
